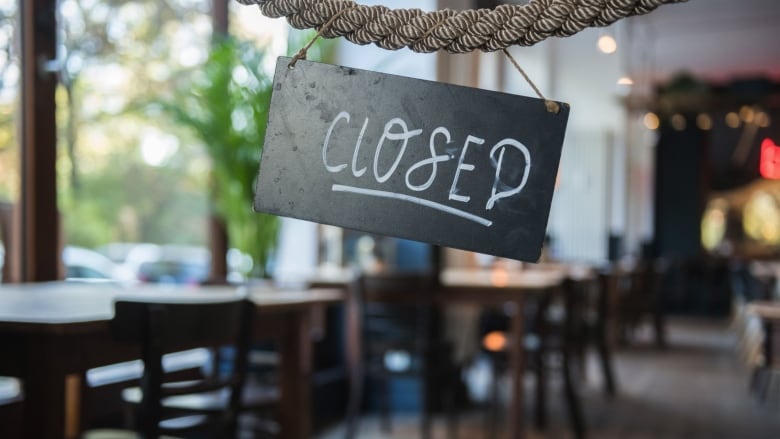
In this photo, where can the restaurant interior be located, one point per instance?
(142, 296)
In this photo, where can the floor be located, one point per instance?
(696, 388)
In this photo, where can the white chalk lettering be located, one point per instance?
(355, 171)
(387, 134)
(415, 177)
(433, 161)
(465, 167)
(411, 199)
(330, 168)
(494, 195)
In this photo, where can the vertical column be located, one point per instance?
(219, 17)
(39, 240)
(218, 237)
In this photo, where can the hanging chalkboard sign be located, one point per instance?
(444, 164)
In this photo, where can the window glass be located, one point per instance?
(127, 174)
(9, 117)
(136, 143)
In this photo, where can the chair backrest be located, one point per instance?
(403, 288)
(160, 327)
(395, 311)
(586, 302)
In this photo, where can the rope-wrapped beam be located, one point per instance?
(487, 30)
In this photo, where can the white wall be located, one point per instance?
(401, 62)
(587, 203)
(296, 257)
(585, 78)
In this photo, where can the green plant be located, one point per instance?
(225, 103)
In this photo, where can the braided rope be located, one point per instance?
(487, 30)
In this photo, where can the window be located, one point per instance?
(9, 110)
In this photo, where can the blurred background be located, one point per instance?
(663, 152)
(672, 152)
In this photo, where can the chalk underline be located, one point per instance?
(414, 200)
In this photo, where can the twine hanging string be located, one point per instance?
(488, 30)
(552, 106)
(303, 53)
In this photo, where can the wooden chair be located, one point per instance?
(643, 298)
(398, 339)
(11, 405)
(210, 405)
(591, 300)
(551, 343)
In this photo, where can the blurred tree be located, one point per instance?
(124, 176)
(97, 35)
(225, 104)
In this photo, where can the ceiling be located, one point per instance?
(719, 40)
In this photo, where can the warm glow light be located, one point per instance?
(494, 341)
(678, 122)
(761, 218)
(607, 44)
(769, 166)
(762, 120)
(746, 114)
(499, 277)
(732, 120)
(704, 122)
(625, 80)
(651, 121)
(713, 224)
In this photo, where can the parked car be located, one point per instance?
(161, 263)
(83, 263)
(171, 263)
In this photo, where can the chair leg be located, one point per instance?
(449, 407)
(449, 396)
(582, 360)
(754, 386)
(425, 418)
(573, 400)
(495, 403)
(353, 405)
(384, 405)
(659, 325)
(605, 358)
(540, 392)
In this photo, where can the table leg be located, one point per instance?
(516, 418)
(353, 353)
(44, 392)
(296, 365)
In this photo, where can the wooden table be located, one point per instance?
(501, 287)
(49, 331)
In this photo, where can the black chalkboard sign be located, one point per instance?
(444, 164)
